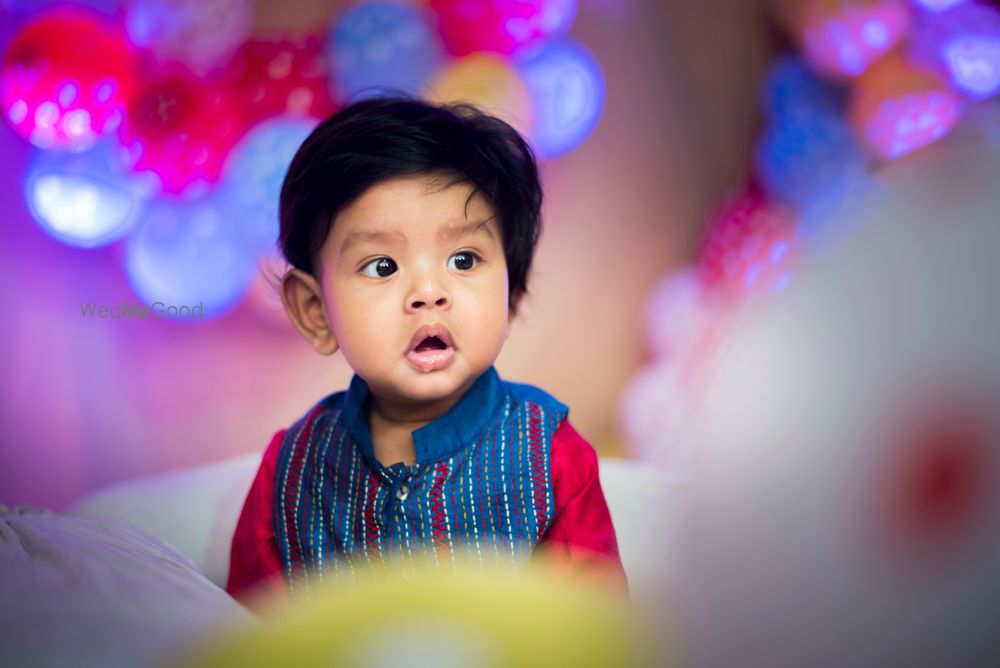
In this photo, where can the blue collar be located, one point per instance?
(440, 439)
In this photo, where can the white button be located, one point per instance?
(403, 492)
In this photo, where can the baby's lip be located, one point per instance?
(427, 331)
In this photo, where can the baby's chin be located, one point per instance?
(427, 388)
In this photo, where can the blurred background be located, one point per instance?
(690, 152)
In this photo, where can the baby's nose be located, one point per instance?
(439, 302)
(428, 294)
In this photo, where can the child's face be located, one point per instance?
(406, 261)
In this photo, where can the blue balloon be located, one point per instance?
(568, 91)
(108, 7)
(792, 88)
(383, 48)
(85, 199)
(254, 172)
(802, 155)
(190, 253)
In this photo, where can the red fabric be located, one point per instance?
(254, 559)
(580, 540)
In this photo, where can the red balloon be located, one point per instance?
(182, 128)
(285, 74)
(500, 25)
(66, 79)
(748, 246)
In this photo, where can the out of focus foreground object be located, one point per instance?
(846, 486)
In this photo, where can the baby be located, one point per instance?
(410, 230)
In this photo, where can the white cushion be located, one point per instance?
(77, 591)
(194, 510)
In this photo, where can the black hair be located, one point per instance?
(374, 140)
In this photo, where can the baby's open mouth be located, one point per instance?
(431, 343)
(432, 348)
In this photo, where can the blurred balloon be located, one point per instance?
(841, 38)
(66, 79)
(282, 74)
(568, 90)
(489, 83)
(253, 175)
(799, 157)
(181, 128)
(807, 148)
(190, 254)
(380, 47)
(848, 455)
(748, 246)
(655, 413)
(678, 311)
(201, 34)
(793, 89)
(108, 7)
(85, 199)
(962, 44)
(423, 616)
(898, 108)
(501, 26)
(937, 5)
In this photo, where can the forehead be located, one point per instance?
(412, 204)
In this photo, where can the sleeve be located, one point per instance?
(254, 560)
(580, 540)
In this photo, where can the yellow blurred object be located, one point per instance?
(488, 82)
(426, 616)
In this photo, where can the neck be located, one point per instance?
(409, 415)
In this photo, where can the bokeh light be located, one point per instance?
(749, 246)
(488, 82)
(567, 87)
(85, 199)
(841, 38)
(379, 47)
(253, 175)
(500, 26)
(963, 44)
(284, 73)
(66, 79)
(898, 108)
(181, 128)
(937, 5)
(190, 253)
(201, 34)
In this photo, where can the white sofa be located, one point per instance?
(196, 511)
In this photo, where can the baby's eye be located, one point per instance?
(463, 261)
(379, 268)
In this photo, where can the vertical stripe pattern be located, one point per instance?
(492, 499)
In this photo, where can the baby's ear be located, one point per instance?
(303, 301)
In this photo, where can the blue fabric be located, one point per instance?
(445, 436)
(481, 482)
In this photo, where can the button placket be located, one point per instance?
(403, 491)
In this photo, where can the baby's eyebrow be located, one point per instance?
(362, 236)
(455, 231)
